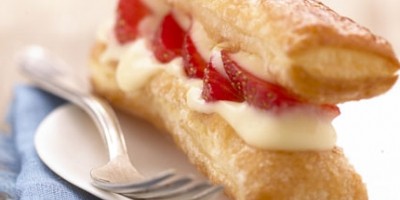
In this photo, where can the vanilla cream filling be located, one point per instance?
(158, 7)
(135, 67)
(217, 63)
(251, 63)
(294, 130)
(199, 37)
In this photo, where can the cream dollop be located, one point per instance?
(137, 65)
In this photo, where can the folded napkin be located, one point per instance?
(22, 174)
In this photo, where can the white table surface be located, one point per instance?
(66, 27)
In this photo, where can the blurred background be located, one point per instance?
(68, 28)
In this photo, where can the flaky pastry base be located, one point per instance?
(247, 173)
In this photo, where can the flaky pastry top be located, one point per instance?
(311, 50)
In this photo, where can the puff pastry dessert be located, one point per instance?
(246, 88)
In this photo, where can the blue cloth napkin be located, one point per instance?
(22, 174)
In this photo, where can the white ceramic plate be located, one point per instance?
(369, 132)
(69, 144)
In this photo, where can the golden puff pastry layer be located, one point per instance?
(307, 48)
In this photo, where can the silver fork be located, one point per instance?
(118, 175)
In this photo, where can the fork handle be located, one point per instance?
(99, 110)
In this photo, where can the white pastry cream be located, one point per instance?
(296, 129)
(292, 130)
(137, 65)
(200, 38)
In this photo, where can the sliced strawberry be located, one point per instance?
(129, 14)
(168, 41)
(331, 110)
(263, 94)
(193, 62)
(256, 91)
(217, 87)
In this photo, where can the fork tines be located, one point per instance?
(164, 186)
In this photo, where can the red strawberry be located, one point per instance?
(168, 41)
(193, 63)
(331, 110)
(129, 15)
(256, 91)
(217, 87)
(265, 95)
